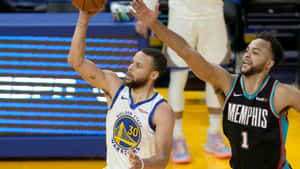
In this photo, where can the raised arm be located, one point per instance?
(89, 71)
(214, 74)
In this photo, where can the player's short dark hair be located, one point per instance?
(159, 59)
(277, 50)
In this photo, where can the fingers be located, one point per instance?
(132, 156)
(133, 5)
(132, 12)
(140, 4)
(157, 9)
(135, 161)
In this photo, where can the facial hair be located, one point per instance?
(135, 83)
(252, 70)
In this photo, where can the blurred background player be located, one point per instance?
(235, 27)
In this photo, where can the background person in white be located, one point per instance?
(136, 107)
(201, 24)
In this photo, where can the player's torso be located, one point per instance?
(129, 127)
(196, 8)
(255, 131)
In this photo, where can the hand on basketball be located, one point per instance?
(85, 16)
(90, 14)
(144, 14)
(135, 161)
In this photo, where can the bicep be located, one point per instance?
(164, 121)
(294, 99)
(103, 79)
(286, 96)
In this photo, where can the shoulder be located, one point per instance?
(286, 94)
(284, 89)
(164, 107)
(115, 82)
(232, 80)
(163, 113)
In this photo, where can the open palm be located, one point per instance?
(144, 14)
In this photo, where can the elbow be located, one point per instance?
(73, 62)
(70, 61)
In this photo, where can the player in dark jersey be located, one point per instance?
(256, 106)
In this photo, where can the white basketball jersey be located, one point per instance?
(129, 127)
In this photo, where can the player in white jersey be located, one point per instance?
(139, 124)
(201, 24)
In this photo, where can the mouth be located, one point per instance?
(129, 75)
(246, 63)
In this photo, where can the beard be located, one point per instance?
(135, 83)
(252, 70)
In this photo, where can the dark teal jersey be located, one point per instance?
(256, 132)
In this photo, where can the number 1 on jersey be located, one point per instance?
(245, 140)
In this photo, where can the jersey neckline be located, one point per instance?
(134, 106)
(252, 96)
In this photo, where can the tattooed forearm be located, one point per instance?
(93, 77)
(81, 25)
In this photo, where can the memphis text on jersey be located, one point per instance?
(248, 115)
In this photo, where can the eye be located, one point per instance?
(138, 65)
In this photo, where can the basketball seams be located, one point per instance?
(89, 5)
(83, 5)
(96, 5)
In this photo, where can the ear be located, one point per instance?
(270, 63)
(154, 75)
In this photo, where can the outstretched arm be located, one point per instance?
(211, 73)
(103, 79)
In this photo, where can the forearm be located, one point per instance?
(170, 38)
(156, 162)
(77, 51)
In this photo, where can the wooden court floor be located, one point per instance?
(195, 123)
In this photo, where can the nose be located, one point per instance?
(246, 54)
(130, 66)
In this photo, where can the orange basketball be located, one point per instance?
(89, 5)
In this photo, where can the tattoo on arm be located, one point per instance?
(81, 25)
(93, 77)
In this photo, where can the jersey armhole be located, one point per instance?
(277, 115)
(230, 91)
(150, 119)
(116, 96)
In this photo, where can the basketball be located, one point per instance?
(89, 5)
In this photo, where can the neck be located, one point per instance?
(142, 93)
(253, 82)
